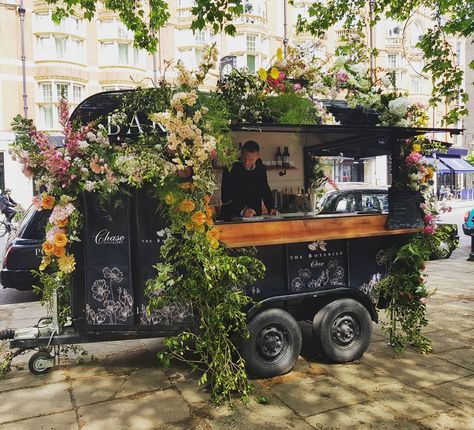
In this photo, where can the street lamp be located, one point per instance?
(21, 13)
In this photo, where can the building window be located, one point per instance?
(52, 47)
(251, 63)
(119, 53)
(116, 87)
(123, 53)
(200, 37)
(251, 42)
(416, 85)
(50, 94)
(416, 32)
(392, 60)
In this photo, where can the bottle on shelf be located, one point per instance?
(286, 158)
(278, 158)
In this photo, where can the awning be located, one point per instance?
(457, 164)
(440, 167)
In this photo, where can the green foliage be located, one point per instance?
(291, 108)
(244, 96)
(451, 17)
(405, 290)
(470, 158)
(6, 358)
(213, 281)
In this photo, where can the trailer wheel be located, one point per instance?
(40, 362)
(274, 343)
(342, 330)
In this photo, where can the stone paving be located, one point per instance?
(123, 389)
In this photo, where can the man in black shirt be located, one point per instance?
(246, 185)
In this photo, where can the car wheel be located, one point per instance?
(40, 362)
(342, 330)
(274, 343)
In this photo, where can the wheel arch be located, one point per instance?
(308, 304)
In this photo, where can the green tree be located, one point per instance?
(450, 18)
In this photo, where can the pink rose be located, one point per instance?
(428, 218)
(423, 300)
(342, 76)
(185, 173)
(297, 87)
(429, 229)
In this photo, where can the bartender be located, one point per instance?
(246, 186)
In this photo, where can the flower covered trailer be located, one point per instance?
(323, 268)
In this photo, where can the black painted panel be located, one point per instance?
(317, 265)
(109, 296)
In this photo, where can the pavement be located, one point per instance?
(122, 388)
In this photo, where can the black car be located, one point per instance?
(23, 251)
(363, 200)
(359, 200)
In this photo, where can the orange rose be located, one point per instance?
(199, 218)
(429, 173)
(62, 222)
(187, 205)
(209, 211)
(48, 248)
(59, 251)
(60, 239)
(207, 199)
(47, 202)
(213, 233)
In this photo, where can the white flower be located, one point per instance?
(386, 81)
(83, 144)
(398, 106)
(340, 61)
(360, 68)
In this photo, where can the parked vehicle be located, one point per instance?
(23, 251)
(468, 225)
(367, 200)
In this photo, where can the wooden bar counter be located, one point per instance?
(305, 229)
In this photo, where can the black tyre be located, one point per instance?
(342, 330)
(274, 343)
(3, 228)
(39, 363)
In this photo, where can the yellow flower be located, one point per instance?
(189, 226)
(187, 205)
(169, 198)
(199, 218)
(417, 147)
(60, 239)
(429, 173)
(67, 263)
(214, 243)
(48, 248)
(213, 233)
(274, 73)
(262, 73)
(279, 54)
(47, 202)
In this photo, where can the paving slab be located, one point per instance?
(452, 420)
(409, 403)
(312, 394)
(417, 370)
(95, 390)
(459, 393)
(147, 412)
(143, 380)
(367, 416)
(34, 401)
(59, 421)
